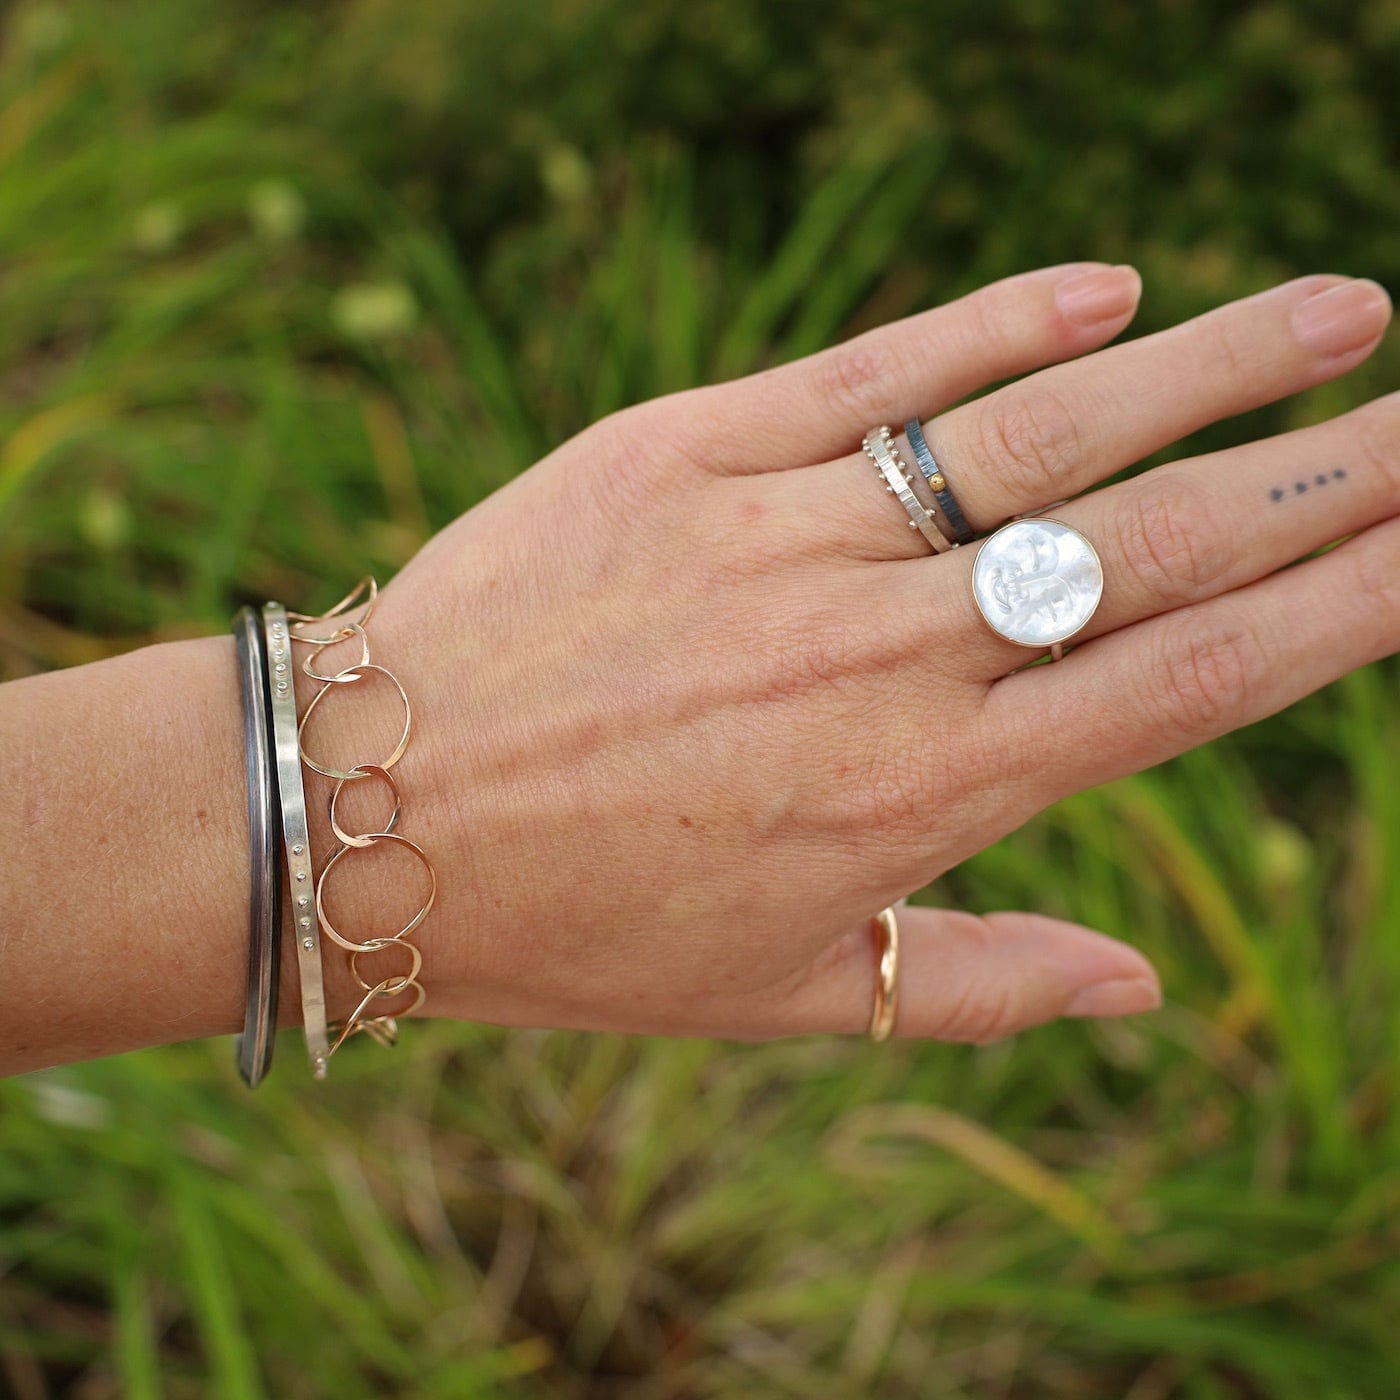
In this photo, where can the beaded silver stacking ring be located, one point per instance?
(1037, 582)
(880, 447)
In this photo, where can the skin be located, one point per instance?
(691, 701)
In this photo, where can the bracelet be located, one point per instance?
(295, 840)
(382, 1027)
(253, 1048)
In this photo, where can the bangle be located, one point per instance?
(295, 840)
(253, 1048)
(382, 1027)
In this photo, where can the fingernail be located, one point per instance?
(1102, 295)
(1119, 996)
(1343, 318)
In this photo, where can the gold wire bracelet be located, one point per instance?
(382, 1027)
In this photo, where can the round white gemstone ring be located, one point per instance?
(1037, 582)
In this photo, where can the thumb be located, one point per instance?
(965, 977)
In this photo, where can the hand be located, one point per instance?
(693, 701)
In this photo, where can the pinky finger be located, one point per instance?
(973, 979)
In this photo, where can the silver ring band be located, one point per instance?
(880, 448)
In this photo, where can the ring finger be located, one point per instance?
(1192, 530)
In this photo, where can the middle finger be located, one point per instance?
(1057, 432)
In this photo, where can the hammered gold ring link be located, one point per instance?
(384, 1029)
(366, 770)
(295, 618)
(373, 838)
(399, 748)
(340, 678)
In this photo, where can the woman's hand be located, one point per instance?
(692, 700)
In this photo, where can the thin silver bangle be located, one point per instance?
(294, 835)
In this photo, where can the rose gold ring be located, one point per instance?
(885, 929)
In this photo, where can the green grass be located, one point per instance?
(372, 260)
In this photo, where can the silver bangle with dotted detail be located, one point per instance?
(292, 797)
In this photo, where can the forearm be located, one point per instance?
(125, 891)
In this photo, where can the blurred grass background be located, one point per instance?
(283, 289)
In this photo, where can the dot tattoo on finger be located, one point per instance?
(1321, 479)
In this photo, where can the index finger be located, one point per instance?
(813, 409)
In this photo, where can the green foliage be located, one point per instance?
(282, 290)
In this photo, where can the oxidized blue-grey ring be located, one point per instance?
(949, 510)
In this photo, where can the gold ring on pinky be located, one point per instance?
(885, 929)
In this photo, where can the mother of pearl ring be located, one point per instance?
(1037, 582)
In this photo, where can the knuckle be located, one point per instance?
(892, 799)
(890, 804)
(984, 1009)
(1032, 439)
(989, 314)
(794, 648)
(1376, 580)
(1231, 339)
(980, 1015)
(860, 378)
(616, 441)
(900, 805)
(617, 476)
(1168, 542)
(793, 667)
(1201, 680)
(1378, 441)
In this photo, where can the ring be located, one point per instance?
(880, 448)
(1037, 582)
(885, 929)
(938, 484)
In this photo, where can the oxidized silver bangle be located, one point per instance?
(294, 835)
(938, 483)
(253, 1047)
(880, 448)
